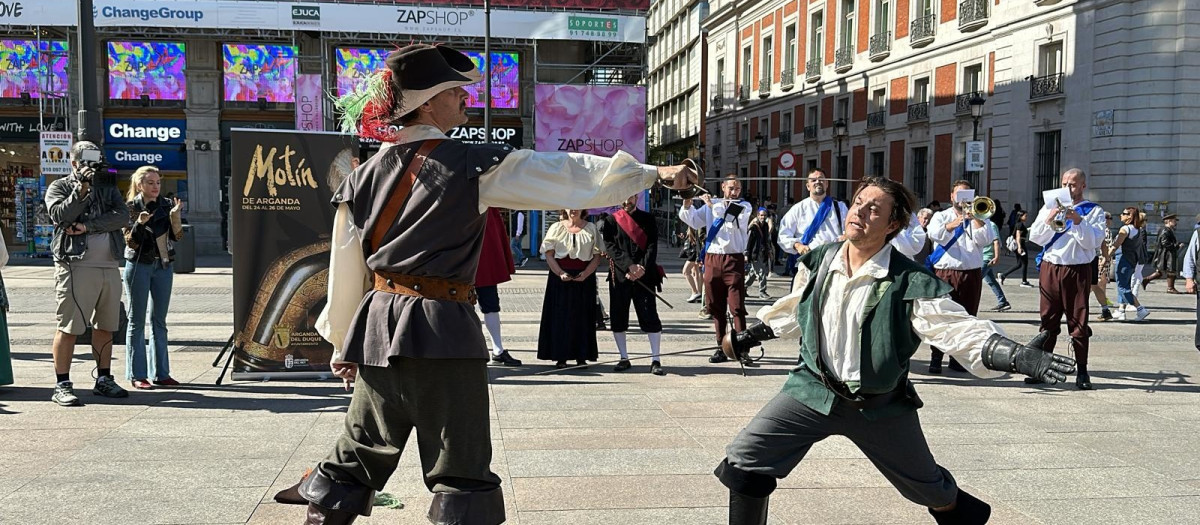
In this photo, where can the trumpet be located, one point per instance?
(1059, 224)
(982, 208)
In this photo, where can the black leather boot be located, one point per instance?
(467, 508)
(745, 510)
(318, 515)
(968, 510)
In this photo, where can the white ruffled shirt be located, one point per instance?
(582, 245)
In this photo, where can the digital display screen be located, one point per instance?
(24, 68)
(254, 71)
(506, 81)
(354, 65)
(153, 69)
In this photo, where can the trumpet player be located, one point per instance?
(1066, 270)
(959, 239)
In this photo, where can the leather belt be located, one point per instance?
(424, 287)
(859, 401)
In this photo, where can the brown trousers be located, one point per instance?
(966, 285)
(1065, 290)
(725, 289)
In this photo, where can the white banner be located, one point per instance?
(56, 153)
(310, 16)
(975, 155)
(37, 12)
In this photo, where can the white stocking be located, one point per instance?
(619, 337)
(492, 320)
(655, 341)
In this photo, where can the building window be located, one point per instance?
(920, 90)
(768, 60)
(920, 173)
(843, 109)
(1049, 145)
(816, 41)
(973, 78)
(848, 28)
(746, 69)
(789, 57)
(883, 16)
(786, 123)
(1050, 59)
(876, 164)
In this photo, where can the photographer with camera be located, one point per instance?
(87, 248)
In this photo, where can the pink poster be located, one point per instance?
(310, 115)
(599, 120)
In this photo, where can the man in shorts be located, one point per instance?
(87, 249)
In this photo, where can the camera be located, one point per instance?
(101, 173)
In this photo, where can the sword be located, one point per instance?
(603, 363)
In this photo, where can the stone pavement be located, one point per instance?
(598, 447)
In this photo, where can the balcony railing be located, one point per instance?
(718, 104)
(972, 14)
(810, 132)
(744, 93)
(787, 79)
(962, 103)
(1047, 86)
(919, 111)
(812, 70)
(785, 136)
(743, 144)
(877, 119)
(922, 29)
(881, 46)
(764, 86)
(843, 59)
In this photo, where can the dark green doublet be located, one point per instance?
(888, 339)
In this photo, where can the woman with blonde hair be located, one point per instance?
(154, 227)
(568, 328)
(1130, 240)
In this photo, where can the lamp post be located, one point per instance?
(976, 103)
(839, 133)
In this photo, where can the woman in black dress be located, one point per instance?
(568, 328)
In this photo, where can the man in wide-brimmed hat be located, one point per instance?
(400, 312)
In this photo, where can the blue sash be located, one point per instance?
(818, 220)
(1083, 209)
(712, 233)
(940, 251)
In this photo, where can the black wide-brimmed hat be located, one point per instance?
(421, 71)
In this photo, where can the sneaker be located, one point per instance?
(524, 262)
(1002, 307)
(1105, 315)
(694, 298)
(1026, 284)
(656, 368)
(106, 386)
(64, 395)
(623, 366)
(1119, 316)
(1142, 313)
(764, 295)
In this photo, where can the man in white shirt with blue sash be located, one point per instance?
(957, 257)
(723, 255)
(812, 222)
(1065, 270)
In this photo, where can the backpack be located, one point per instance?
(1011, 243)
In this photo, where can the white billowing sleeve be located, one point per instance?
(789, 228)
(910, 240)
(945, 324)
(520, 224)
(696, 218)
(983, 236)
(781, 315)
(531, 180)
(348, 282)
(1090, 234)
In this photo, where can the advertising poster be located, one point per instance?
(56, 153)
(599, 120)
(281, 184)
(310, 113)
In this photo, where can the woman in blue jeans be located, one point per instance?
(154, 226)
(1130, 239)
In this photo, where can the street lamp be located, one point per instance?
(976, 103)
(839, 132)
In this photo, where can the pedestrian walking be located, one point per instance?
(690, 253)
(155, 225)
(1130, 241)
(1104, 271)
(1020, 234)
(1166, 255)
(991, 257)
(760, 251)
(517, 220)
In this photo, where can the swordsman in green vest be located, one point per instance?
(860, 316)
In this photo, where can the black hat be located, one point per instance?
(421, 71)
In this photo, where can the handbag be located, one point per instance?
(1011, 243)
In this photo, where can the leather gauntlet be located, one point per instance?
(738, 344)
(1004, 354)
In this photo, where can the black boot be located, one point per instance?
(968, 510)
(745, 510)
(718, 357)
(467, 508)
(318, 515)
(1083, 381)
